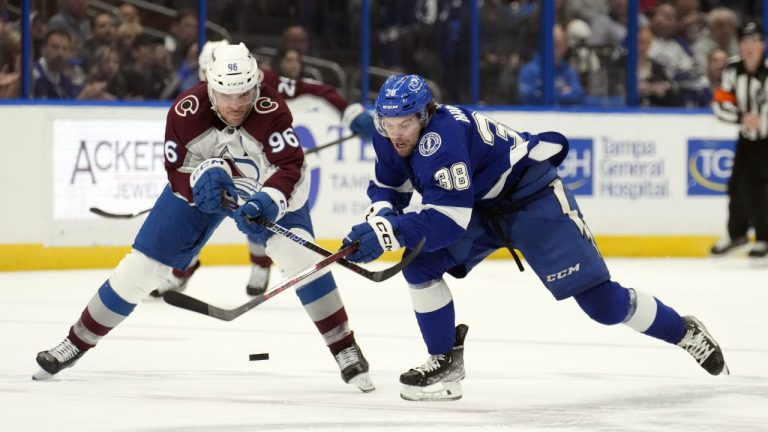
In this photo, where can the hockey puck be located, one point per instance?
(261, 356)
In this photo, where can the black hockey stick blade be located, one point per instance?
(329, 144)
(376, 276)
(184, 301)
(111, 215)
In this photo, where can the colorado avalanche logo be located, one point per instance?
(429, 144)
(189, 104)
(265, 105)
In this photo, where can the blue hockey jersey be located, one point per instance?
(463, 158)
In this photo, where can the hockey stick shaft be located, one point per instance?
(184, 301)
(376, 276)
(111, 215)
(329, 144)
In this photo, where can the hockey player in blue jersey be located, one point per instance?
(485, 186)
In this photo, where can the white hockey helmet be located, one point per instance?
(205, 56)
(232, 69)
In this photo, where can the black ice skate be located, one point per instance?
(438, 378)
(60, 357)
(354, 368)
(726, 245)
(759, 250)
(702, 347)
(257, 284)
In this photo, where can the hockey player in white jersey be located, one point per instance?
(485, 186)
(229, 135)
(354, 117)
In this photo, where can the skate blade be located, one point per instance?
(363, 382)
(758, 263)
(441, 391)
(41, 375)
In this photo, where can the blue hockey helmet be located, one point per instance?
(401, 95)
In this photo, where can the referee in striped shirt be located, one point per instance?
(742, 98)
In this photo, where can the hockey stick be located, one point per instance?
(184, 301)
(111, 215)
(329, 144)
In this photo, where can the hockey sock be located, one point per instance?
(433, 305)
(105, 311)
(323, 304)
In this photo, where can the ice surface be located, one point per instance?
(533, 364)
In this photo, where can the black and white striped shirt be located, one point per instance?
(740, 93)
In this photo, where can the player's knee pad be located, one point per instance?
(136, 276)
(607, 303)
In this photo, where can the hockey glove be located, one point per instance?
(379, 208)
(208, 180)
(375, 236)
(258, 205)
(359, 121)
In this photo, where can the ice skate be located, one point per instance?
(759, 250)
(354, 368)
(702, 347)
(727, 245)
(176, 280)
(259, 280)
(438, 378)
(60, 357)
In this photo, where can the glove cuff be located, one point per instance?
(279, 199)
(385, 232)
(379, 208)
(350, 113)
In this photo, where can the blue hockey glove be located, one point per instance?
(375, 236)
(260, 204)
(379, 208)
(359, 121)
(208, 181)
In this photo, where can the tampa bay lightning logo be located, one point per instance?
(414, 84)
(429, 144)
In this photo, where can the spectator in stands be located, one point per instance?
(10, 64)
(126, 33)
(610, 29)
(145, 77)
(104, 34)
(72, 18)
(37, 32)
(187, 74)
(653, 87)
(288, 63)
(568, 90)
(129, 14)
(585, 10)
(48, 78)
(106, 75)
(676, 58)
(716, 62)
(296, 37)
(722, 24)
(182, 34)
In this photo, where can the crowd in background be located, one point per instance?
(683, 45)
